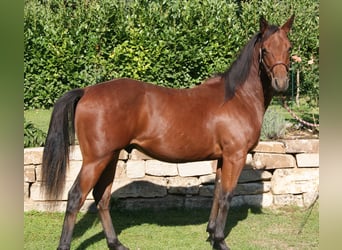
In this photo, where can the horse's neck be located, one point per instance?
(251, 91)
(260, 81)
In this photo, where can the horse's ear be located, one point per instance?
(287, 26)
(263, 25)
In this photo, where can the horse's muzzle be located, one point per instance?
(280, 84)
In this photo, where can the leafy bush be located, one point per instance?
(33, 137)
(274, 125)
(70, 44)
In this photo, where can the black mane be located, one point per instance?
(239, 70)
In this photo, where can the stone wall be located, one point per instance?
(276, 174)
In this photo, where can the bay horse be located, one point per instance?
(219, 120)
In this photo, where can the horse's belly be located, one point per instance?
(178, 149)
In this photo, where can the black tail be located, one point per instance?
(56, 151)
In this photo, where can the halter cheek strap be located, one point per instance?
(270, 69)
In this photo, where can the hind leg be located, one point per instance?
(85, 181)
(73, 205)
(102, 195)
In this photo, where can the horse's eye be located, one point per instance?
(264, 51)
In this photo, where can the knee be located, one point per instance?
(226, 198)
(223, 202)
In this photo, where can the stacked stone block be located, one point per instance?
(276, 174)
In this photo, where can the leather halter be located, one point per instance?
(270, 69)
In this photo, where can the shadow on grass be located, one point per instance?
(179, 216)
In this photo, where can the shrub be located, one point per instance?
(71, 44)
(33, 137)
(274, 125)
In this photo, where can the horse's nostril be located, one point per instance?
(276, 82)
(280, 84)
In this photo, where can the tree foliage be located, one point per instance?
(71, 44)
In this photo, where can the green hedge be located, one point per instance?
(70, 44)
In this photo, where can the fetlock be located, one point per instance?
(211, 227)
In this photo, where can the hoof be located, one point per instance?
(63, 248)
(122, 247)
(220, 245)
(117, 246)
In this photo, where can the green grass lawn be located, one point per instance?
(39, 117)
(180, 229)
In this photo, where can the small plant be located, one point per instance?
(33, 137)
(274, 125)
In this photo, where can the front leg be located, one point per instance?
(218, 235)
(215, 206)
(232, 166)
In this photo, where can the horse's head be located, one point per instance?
(275, 52)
